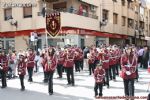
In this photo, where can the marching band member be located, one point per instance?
(68, 64)
(76, 60)
(22, 70)
(112, 65)
(91, 60)
(3, 68)
(118, 55)
(105, 60)
(128, 73)
(42, 55)
(50, 64)
(99, 74)
(81, 59)
(95, 53)
(30, 64)
(60, 63)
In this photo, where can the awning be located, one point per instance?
(64, 30)
(70, 30)
(12, 34)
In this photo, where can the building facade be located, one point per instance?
(83, 22)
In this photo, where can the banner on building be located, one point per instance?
(53, 24)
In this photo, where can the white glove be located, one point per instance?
(128, 72)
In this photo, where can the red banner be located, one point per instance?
(53, 24)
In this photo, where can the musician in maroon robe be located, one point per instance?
(3, 68)
(50, 64)
(30, 64)
(128, 73)
(22, 70)
(99, 74)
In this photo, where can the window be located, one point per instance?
(114, 0)
(123, 2)
(7, 13)
(60, 6)
(130, 23)
(115, 18)
(136, 25)
(105, 14)
(123, 21)
(141, 25)
(27, 12)
(131, 5)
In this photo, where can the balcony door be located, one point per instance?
(60, 6)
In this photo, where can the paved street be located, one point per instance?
(83, 89)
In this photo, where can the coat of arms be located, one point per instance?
(53, 24)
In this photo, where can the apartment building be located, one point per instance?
(83, 22)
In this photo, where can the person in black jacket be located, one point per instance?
(145, 57)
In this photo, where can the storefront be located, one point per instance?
(19, 40)
(67, 36)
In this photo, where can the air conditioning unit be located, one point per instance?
(103, 22)
(93, 8)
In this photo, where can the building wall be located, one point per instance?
(23, 23)
(74, 20)
(20, 43)
(90, 40)
(116, 7)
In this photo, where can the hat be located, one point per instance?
(21, 54)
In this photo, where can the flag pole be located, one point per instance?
(46, 37)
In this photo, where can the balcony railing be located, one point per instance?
(74, 11)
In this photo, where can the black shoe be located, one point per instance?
(100, 95)
(45, 80)
(110, 78)
(50, 93)
(3, 87)
(22, 89)
(96, 96)
(59, 77)
(107, 86)
(73, 84)
(68, 83)
(30, 80)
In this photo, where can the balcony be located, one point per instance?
(77, 12)
(77, 21)
(72, 18)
